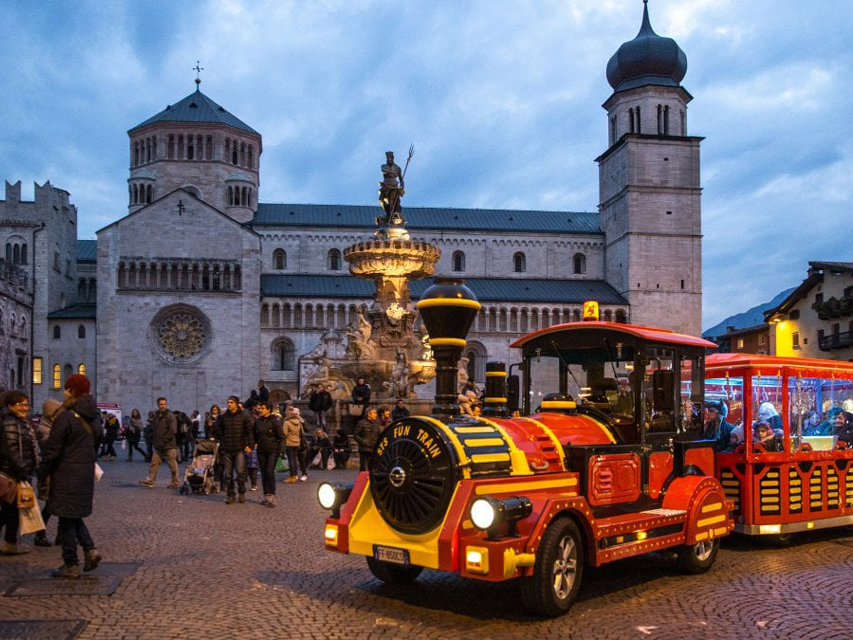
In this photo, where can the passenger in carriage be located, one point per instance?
(765, 435)
(716, 427)
(839, 423)
(767, 412)
(811, 424)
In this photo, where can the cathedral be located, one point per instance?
(201, 289)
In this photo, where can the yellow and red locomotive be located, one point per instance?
(602, 460)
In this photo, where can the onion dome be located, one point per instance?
(648, 59)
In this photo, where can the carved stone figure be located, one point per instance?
(391, 190)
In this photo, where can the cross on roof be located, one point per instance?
(181, 207)
(198, 71)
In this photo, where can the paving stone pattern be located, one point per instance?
(207, 569)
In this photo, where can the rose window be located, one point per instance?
(180, 333)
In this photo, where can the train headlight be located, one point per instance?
(489, 513)
(483, 513)
(333, 496)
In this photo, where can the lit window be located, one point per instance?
(81, 369)
(36, 370)
(57, 377)
(795, 339)
(740, 343)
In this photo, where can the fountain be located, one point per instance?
(382, 344)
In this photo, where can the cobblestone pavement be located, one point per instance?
(211, 569)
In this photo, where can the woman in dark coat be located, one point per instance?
(134, 434)
(69, 458)
(18, 460)
(269, 439)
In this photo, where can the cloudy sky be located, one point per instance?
(501, 98)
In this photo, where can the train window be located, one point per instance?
(725, 425)
(766, 405)
(821, 411)
(658, 391)
(691, 394)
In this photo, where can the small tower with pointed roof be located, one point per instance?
(196, 145)
(649, 188)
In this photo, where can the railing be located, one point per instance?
(835, 341)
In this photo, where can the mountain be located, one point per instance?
(750, 318)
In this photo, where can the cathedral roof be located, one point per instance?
(83, 311)
(363, 217)
(648, 59)
(197, 107)
(487, 289)
(87, 251)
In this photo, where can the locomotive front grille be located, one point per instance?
(816, 490)
(769, 492)
(731, 488)
(795, 492)
(832, 500)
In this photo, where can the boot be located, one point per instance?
(11, 549)
(41, 539)
(67, 571)
(91, 560)
(270, 501)
(241, 498)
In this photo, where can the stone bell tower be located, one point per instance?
(197, 145)
(649, 188)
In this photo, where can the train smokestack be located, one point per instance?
(496, 396)
(448, 309)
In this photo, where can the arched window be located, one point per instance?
(476, 354)
(57, 377)
(334, 260)
(279, 259)
(631, 120)
(81, 369)
(23, 254)
(283, 355)
(149, 194)
(190, 148)
(519, 262)
(621, 316)
(81, 332)
(16, 254)
(579, 263)
(68, 370)
(458, 261)
(57, 332)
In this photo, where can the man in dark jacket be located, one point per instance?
(269, 437)
(235, 433)
(366, 434)
(165, 430)
(320, 401)
(399, 411)
(68, 458)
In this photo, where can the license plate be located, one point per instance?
(390, 554)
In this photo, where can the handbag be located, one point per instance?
(29, 518)
(26, 495)
(281, 465)
(8, 489)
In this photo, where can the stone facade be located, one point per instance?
(16, 320)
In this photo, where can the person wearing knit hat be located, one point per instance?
(49, 410)
(716, 428)
(68, 458)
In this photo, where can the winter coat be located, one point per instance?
(235, 431)
(320, 401)
(366, 434)
(69, 459)
(21, 458)
(134, 433)
(165, 430)
(111, 430)
(361, 395)
(293, 431)
(399, 412)
(269, 435)
(263, 394)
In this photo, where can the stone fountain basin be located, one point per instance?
(394, 257)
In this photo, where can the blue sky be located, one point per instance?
(501, 98)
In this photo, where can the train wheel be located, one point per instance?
(779, 540)
(698, 558)
(557, 573)
(393, 573)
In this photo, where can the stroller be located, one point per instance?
(198, 476)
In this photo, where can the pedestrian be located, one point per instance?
(133, 434)
(263, 392)
(49, 411)
(165, 429)
(321, 446)
(360, 398)
(111, 427)
(149, 435)
(252, 466)
(293, 439)
(210, 422)
(320, 401)
(341, 449)
(235, 433)
(69, 460)
(269, 442)
(399, 411)
(19, 461)
(383, 417)
(182, 437)
(366, 434)
(195, 430)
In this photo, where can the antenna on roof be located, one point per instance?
(198, 71)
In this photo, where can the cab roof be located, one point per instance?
(650, 334)
(720, 362)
